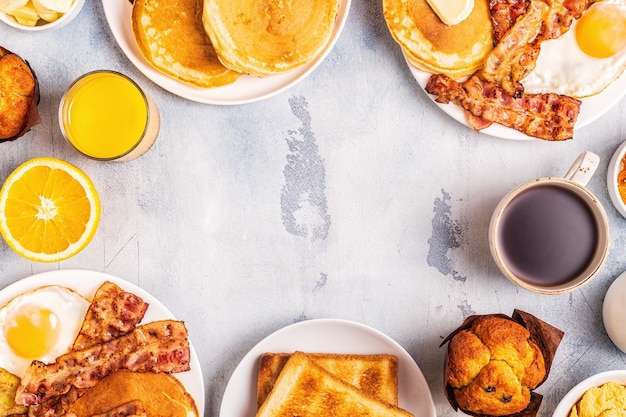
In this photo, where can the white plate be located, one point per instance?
(327, 336)
(572, 397)
(591, 108)
(86, 283)
(246, 89)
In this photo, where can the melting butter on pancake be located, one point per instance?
(432, 46)
(170, 35)
(267, 37)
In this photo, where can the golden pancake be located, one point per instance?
(171, 37)
(266, 37)
(158, 394)
(433, 46)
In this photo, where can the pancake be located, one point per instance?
(267, 37)
(171, 37)
(158, 394)
(431, 45)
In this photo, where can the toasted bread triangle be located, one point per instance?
(305, 389)
(376, 374)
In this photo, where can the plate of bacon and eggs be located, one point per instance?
(51, 319)
(569, 70)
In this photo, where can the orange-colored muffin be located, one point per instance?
(17, 94)
(493, 366)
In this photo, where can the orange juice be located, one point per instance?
(106, 116)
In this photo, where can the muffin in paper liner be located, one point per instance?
(31, 117)
(545, 336)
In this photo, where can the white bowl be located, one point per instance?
(611, 179)
(42, 26)
(572, 397)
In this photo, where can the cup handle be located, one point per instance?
(583, 168)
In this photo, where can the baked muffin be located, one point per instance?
(17, 95)
(493, 365)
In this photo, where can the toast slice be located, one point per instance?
(376, 375)
(305, 389)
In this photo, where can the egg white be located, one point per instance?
(68, 306)
(563, 68)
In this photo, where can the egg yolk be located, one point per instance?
(601, 31)
(32, 334)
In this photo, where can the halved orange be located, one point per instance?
(49, 210)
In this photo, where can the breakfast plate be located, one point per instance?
(327, 336)
(246, 89)
(86, 283)
(591, 109)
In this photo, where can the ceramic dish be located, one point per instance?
(611, 179)
(43, 26)
(572, 397)
(86, 283)
(592, 107)
(327, 336)
(614, 312)
(246, 89)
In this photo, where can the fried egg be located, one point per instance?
(41, 324)
(587, 58)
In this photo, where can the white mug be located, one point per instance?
(551, 235)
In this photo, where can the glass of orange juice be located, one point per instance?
(106, 116)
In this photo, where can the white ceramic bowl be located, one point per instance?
(611, 179)
(572, 397)
(60, 22)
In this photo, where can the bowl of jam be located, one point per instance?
(616, 179)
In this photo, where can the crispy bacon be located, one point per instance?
(112, 313)
(545, 116)
(129, 409)
(519, 40)
(160, 346)
(504, 14)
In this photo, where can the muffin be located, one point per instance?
(494, 363)
(18, 96)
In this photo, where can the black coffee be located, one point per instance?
(547, 235)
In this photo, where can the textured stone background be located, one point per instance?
(350, 195)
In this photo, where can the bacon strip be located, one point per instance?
(545, 116)
(160, 346)
(519, 39)
(516, 53)
(129, 409)
(112, 313)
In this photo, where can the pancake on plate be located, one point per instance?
(171, 37)
(267, 37)
(432, 46)
(156, 394)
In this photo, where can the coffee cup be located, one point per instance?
(551, 235)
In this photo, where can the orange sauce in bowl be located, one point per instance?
(621, 179)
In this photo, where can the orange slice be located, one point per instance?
(49, 210)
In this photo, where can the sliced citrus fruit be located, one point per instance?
(49, 210)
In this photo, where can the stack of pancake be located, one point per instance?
(210, 43)
(431, 45)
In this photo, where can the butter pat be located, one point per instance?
(452, 12)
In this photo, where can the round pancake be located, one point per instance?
(159, 395)
(435, 47)
(266, 37)
(170, 35)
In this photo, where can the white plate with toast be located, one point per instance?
(246, 89)
(591, 109)
(327, 336)
(86, 283)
